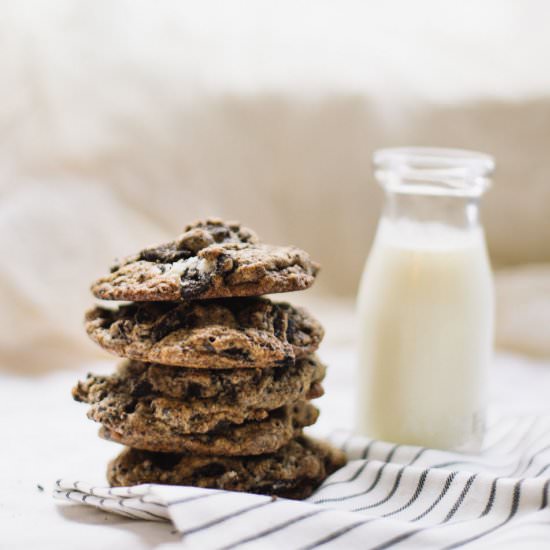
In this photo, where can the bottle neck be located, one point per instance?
(454, 211)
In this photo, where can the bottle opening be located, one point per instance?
(433, 171)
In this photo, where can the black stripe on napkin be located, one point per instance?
(513, 510)
(334, 535)
(221, 519)
(446, 487)
(377, 478)
(359, 470)
(274, 529)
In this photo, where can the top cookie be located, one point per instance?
(210, 259)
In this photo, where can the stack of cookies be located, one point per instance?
(216, 382)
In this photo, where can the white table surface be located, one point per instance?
(46, 435)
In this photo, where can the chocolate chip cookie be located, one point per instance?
(213, 334)
(238, 385)
(132, 388)
(294, 471)
(210, 259)
(142, 428)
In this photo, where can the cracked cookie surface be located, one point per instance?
(213, 334)
(235, 396)
(138, 428)
(294, 471)
(210, 259)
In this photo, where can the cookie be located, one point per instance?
(294, 471)
(233, 396)
(241, 386)
(213, 334)
(210, 259)
(140, 429)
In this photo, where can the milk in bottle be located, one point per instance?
(426, 303)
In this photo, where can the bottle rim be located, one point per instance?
(433, 171)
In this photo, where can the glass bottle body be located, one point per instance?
(426, 317)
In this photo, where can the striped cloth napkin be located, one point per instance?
(386, 496)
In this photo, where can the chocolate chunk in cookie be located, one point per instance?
(294, 471)
(214, 334)
(138, 427)
(211, 259)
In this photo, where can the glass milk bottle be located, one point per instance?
(426, 302)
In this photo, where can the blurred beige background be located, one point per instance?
(122, 121)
